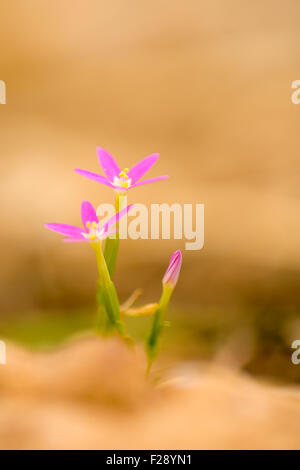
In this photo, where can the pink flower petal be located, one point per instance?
(137, 171)
(65, 229)
(116, 217)
(88, 213)
(150, 180)
(94, 176)
(173, 271)
(108, 164)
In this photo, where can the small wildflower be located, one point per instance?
(122, 180)
(92, 230)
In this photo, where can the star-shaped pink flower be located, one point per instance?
(122, 180)
(92, 230)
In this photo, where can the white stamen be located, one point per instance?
(122, 182)
(94, 233)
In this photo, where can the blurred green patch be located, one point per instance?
(257, 336)
(189, 333)
(43, 330)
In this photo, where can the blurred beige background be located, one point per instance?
(207, 84)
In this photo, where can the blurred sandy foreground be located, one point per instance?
(92, 394)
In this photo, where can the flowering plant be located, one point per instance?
(111, 313)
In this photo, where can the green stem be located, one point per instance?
(157, 325)
(112, 244)
(108, 291)
(111, 248)
(104, 326)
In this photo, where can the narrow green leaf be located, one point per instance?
(111, 253)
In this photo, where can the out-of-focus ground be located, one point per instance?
(207, 84)
(93, 395)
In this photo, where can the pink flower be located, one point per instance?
(92, 230)
(125, 179)
(172, 273)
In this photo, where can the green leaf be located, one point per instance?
(104, 325)
(111, 249)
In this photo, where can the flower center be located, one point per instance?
(93, 231)
(123, 181)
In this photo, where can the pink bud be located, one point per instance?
(172, 273)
